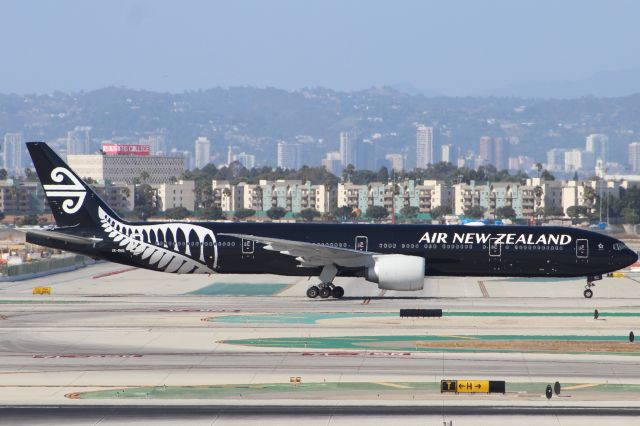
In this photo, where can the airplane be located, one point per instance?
(395, 257)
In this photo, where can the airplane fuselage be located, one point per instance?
(448, 250)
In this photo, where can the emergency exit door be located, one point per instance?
(247, 246)
(495, 248)
(361, 243)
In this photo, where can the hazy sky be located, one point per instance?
(452, 47)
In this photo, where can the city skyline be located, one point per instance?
(361, 151)
(369, 129)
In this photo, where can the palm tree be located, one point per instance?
(538, 192)
(539, 168)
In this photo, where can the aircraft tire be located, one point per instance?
(588, 293)
(325, 292)
(313, 292)
(337, 292)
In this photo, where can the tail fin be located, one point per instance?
(72, 201)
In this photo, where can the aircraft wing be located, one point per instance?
(61, 236)
(311, 254)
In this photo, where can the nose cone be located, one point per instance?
(630, 257)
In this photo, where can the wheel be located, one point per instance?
(337, 292)
(313, 292)
(588, 293)
(325, 292)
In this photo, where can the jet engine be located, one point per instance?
(397, 272)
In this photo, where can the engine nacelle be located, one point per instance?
(397, 272)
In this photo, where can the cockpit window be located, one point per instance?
(619, 246)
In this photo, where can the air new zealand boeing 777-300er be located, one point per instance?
(396, 257)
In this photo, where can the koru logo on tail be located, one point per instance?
(73, 193)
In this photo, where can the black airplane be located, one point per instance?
(396, 257)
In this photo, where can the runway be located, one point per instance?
(137, 339)
(306, 414)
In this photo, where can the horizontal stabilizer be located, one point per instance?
(61, 236)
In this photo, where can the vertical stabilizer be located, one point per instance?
(72, 201)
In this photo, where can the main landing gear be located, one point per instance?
(326, 288)
(588, 293)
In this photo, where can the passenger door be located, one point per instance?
(495, 254)
(582, 251)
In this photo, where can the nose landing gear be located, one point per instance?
(588, 293)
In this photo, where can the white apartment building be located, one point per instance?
(292, 195)
(179, 194)
(425, 196)
(119, 196)
(223, 195)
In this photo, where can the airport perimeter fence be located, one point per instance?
(44, 266)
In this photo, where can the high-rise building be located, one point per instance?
(486, 150)
(79, 140)
(289, 155)
(445, 153)
(521, 162)
(396, 161)
(229, 154)
(347, 148)
(365, 158)
(332, 162)
(597, 144)
(555, 159)
(187, 156)
(424, 146)
(576, 159)
(202, 152)
(248, 161)
(13, 153)
(634, 156)
(156, 142)
(501, 153)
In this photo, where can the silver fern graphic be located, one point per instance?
(137, 240)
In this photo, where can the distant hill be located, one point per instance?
(253, 119)
(603, 84)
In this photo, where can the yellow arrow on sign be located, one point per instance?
(472, 386)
